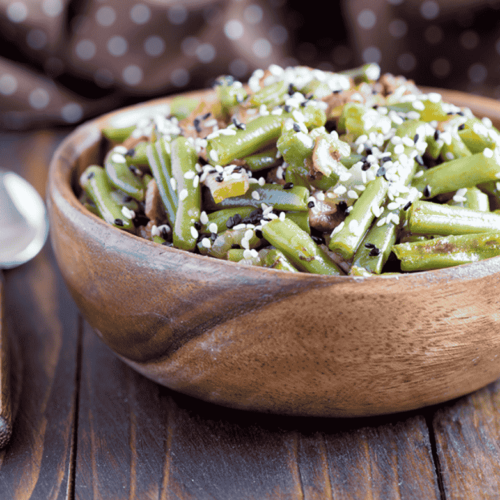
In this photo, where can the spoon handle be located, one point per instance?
(5, 397)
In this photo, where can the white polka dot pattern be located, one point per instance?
(117, 46)
(132, 75)
(39, 98)
(233, 29)
(262, 48)
(154, 46)
(105, 16)
(17, 12)
(52, 8)
(36, 39)
(8, 84)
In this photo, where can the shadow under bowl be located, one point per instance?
(260, 339)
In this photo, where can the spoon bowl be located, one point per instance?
(24, 224)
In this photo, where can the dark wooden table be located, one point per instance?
(88, 426)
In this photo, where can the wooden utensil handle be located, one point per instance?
(5, 396)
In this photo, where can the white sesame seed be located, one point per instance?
(240, 226)
(120, 149)
(418, 174)
(155, 231)
(127, 213)
(488, 153)
(340, 190)
(249, 234)
(194, 232)
(262, 181)
(320, 195)
(247, 254)
(173, 183)
(282, 216)
(345, 176)
(196, 181)
(183, 194)
(118, 158)
(189, 174)
(213, 228)
(352, 194)
(418, 105)
(213, 155)
(298, 116)
(204, 217)
(393, 205)
(245, 243)
(381, 222)
(206, 242)
(255, 195)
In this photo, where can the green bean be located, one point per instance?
(447, 251)
(432, 218)
(221, 217)
(301, 219)
(184, 159)
(260, 161)
(367, 73)
(275, 259)
(158, 164)
(491, 189)
(456, 149)
(138, 155)
(299, 247)
(346, 240)
(98, 188)
(181, 107)
(270, 95)
(227, 240)
(270, 194)
(121, 177)
(117, 134)
(477, 136)
(259, 133)
(230, 93)
(461, 173)
(358, 119)
(475, 199)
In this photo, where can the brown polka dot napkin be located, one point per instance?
(62, 61)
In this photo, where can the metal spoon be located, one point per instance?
(24, 224)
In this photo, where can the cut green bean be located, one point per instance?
(474, 199)
(347, 240)
(299, 247)
(432, 218)
(461, 173)
(260, 161)
(184, 159)
(122, 177)
(181, 107)
(117, 134)
(270, 194)
(98, 188)
(447, 251)
(158, 164)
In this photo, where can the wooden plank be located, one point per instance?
(467, 436)
(386, 458)
(43, 318)
(121, 428)
(37, 462)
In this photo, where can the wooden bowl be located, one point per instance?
(260, 339)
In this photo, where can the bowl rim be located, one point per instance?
(88, 135)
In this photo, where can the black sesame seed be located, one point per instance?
(385, 158)
(296, 127)
(370, 245)
(461, 127)
(451, 113)
(460, 113)
(259, 234)
(130, 152)
(342, 207)
(415, 138)
(237, 219)
(375, 106)
(337, 91)
(219, 178)
(238, 124)
(310, 204)
(366, 165)
(230, 223)
(319, 240)
(287, 108)
(91, 174)
(206, 115)
(213, 237)
(212, 171)
(197, 125)
(234, 246)
(407, 206)
(368, 151)
(436, 135)
(290, 89)
(419, 160)
(238, 168)
(427, 191)
(197, 225)
(381, 171)
(374, 252)
(288, 185)
(118, 222)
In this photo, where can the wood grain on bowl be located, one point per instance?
(256, 338)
